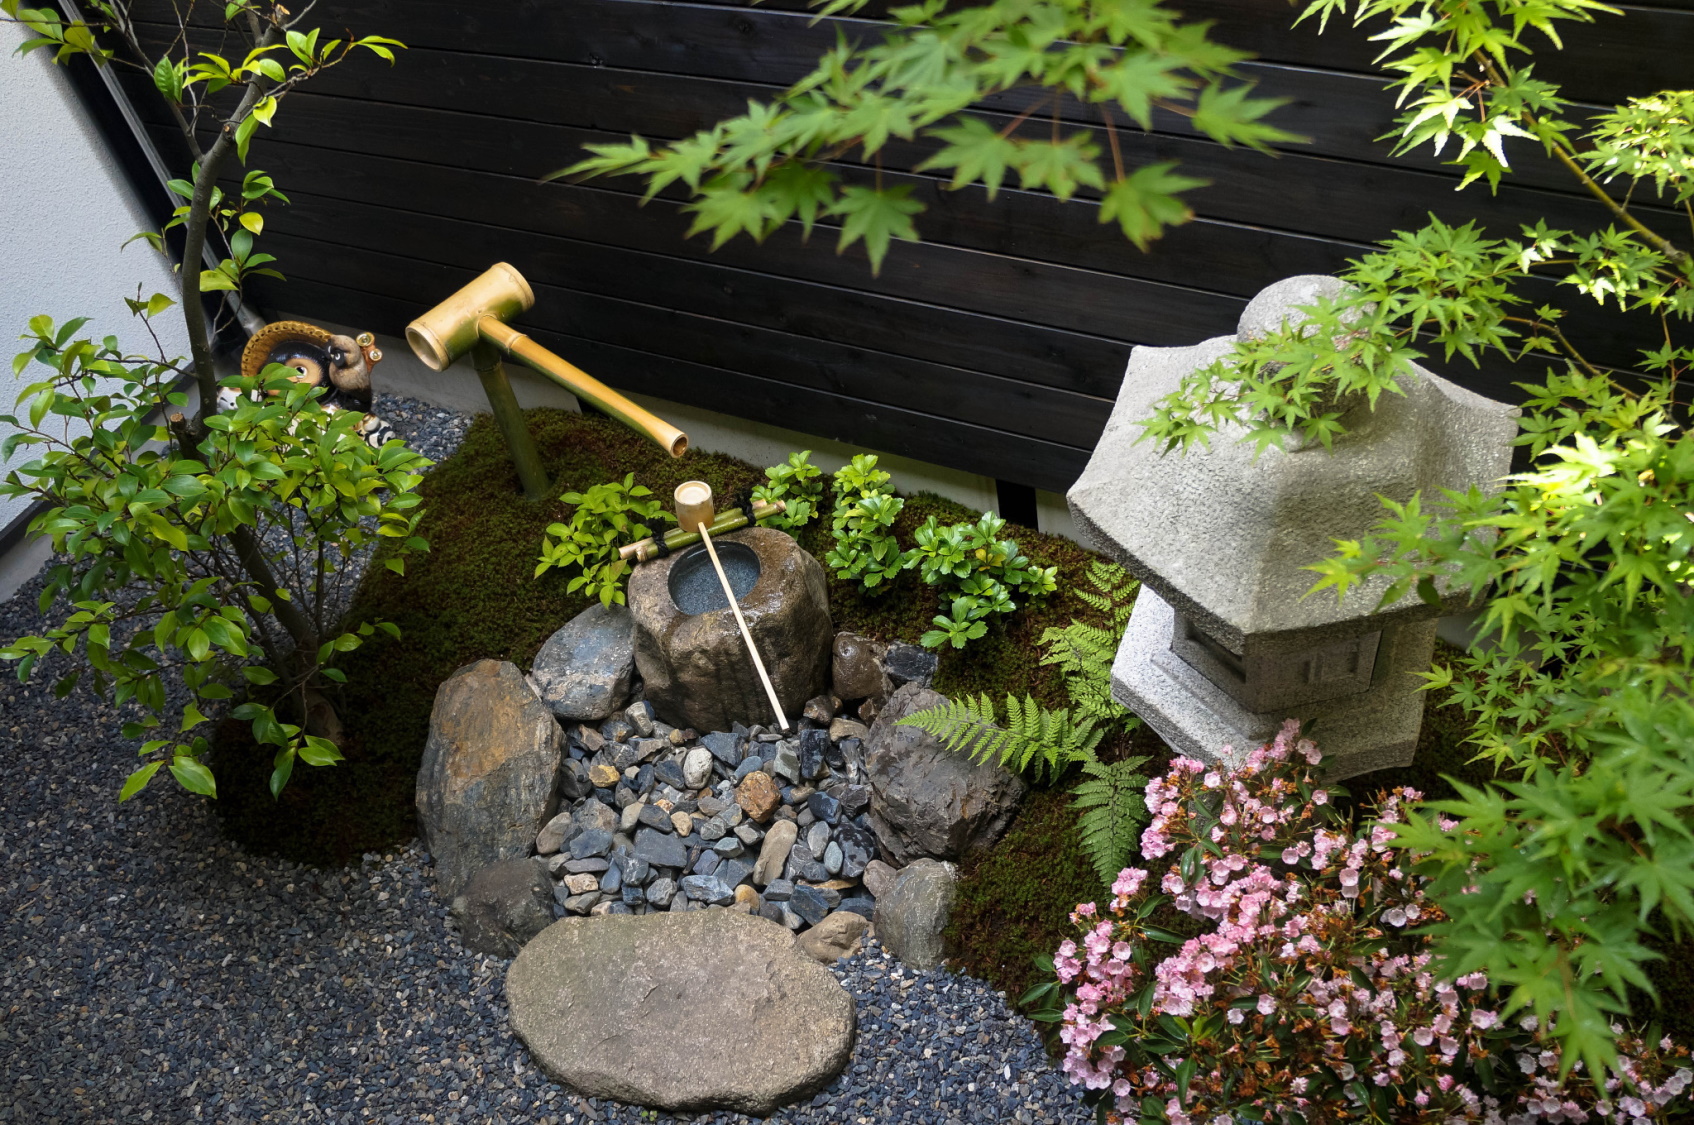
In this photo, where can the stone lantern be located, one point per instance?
(1224, 643)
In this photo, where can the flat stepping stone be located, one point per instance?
(686, 1012)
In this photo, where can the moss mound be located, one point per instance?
(474, 596)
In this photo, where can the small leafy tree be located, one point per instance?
(788, 159)
(201, 544)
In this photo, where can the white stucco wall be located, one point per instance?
(65, 211)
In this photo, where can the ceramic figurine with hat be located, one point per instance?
(320, 358)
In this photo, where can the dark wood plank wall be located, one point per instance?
(996, 346)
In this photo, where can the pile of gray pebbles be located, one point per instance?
(151, 971)
(660, 819)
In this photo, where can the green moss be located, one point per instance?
(473, 596)
(1015, 898)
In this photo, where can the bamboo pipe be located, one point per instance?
(581, 383)
(730, 519)
(694, 502)
(476, 316)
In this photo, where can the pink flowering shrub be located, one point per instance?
(1306, 998)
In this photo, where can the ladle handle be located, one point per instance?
(746, 634)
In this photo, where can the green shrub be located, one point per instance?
(797, 483)
(603, 519)
(977, 572)
(866, 549)
(213, 536)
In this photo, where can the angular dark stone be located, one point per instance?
(834, 758)
(725, 747)
(584, 669)
(814, 744)
(623, 755)
(734, 872)
(859, 904)
(778, 890)
(489, 778)
(612, 881)
(906, 664)
(633, 895)
(592, 841)
(573, 780)
(671, 774)
(751, 764)
(927, 800)
(809, 903)
(708, 888)
(623, 796)
(858, 848)
(643, 783)
(505, 905)
(616, 729)
(592, 865)
(713, 805)
(619, 908)
(771, 911)
(855, 799)
(824, 807)
(581, 904)
(708, 863)
(656, 818)
(635, 869)
(660, 849)
(606, 797)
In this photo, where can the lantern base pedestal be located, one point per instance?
(1369, 730)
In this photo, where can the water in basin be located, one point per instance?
(694, 584)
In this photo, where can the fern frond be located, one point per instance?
(1084, 652)
(1032, 738)
(1113, 813)
(1116, 591)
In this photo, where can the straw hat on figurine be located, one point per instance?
(292, 343)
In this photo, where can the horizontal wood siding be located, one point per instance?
(996, 346)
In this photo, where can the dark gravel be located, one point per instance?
(149, 970)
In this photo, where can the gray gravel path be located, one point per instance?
(150, 971)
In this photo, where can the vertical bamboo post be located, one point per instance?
(509, 416)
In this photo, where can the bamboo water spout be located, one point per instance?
(474, 320)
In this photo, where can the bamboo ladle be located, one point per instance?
(694, 508)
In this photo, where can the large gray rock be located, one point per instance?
(489, 778)
(913, 910)
(695, 666)
(685, 1012)
(926, 800)
(503, 906)
(584, 670)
